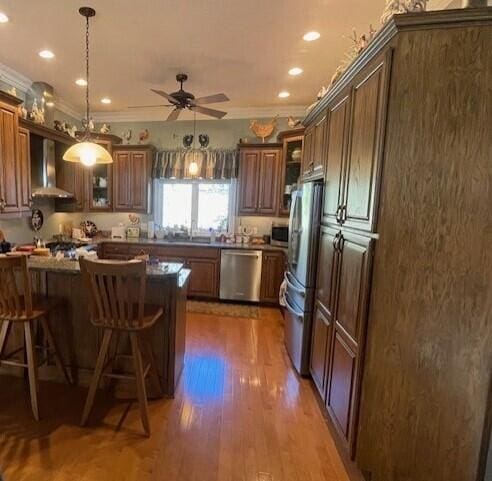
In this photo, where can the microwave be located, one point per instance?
(279, 235)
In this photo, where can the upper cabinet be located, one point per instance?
(290, 174)
(259, 167)
(315, 149)
(100, 184)
(369, 96)
(15, 176)
(132, 168)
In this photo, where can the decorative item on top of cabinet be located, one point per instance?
(263, 131)
(290, 168)
(272, 274)
(132, 181)
(258, 181)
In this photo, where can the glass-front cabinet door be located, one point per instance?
(292, 157)
(100, 185)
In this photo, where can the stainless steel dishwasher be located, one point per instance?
(240, 274)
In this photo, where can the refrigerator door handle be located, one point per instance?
(300, 291)
(298, 314)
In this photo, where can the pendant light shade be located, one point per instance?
(86, 152)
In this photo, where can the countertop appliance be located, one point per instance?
(240, 274)
(279, 234)
(300, 278)
(118, 232)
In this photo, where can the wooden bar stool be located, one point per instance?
(17, 306)
(117, 295)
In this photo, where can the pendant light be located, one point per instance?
(86, 152)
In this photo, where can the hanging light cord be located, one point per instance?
(87, 132)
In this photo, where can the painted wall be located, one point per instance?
(169, 135)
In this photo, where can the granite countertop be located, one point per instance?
(50, 264)
(216, 245)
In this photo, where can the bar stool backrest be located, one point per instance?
(116, 291)
(15, 290)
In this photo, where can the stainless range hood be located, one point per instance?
(43, 170)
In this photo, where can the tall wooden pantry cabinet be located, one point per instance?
(402, 327)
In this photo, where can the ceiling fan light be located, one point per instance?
(88, 154)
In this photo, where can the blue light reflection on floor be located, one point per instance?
(204, 381)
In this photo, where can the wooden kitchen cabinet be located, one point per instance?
(339, 325)
(204, 278)
(325, 304)
(132, 181)
(269, 182)
(349, 332)
(290, 168)
(369, 99)
(258, 181)
(315, 152)
(321, 338)
(24, 169)
(272, 274)
(337, 138)
(354, 135)
(9, 165)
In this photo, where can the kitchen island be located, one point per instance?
(79, 341)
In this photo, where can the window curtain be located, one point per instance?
(212, 164)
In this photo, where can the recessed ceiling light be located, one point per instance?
(295, 71)
(105, 100)
(3, 18)
(310, 36)
(284, 94)
(81, 82)
(46, 54)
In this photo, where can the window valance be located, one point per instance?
(212, 164)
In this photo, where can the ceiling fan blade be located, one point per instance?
(173, 115)
(211, 99)
(148, 106)
(166, 96)
(218, 114)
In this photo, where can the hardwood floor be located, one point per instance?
(240, 414)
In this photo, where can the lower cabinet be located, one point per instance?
(339, 328)
(204, 279)
(319, 348)
(272, 274)
(204, 263)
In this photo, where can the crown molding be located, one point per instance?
(67, 108)
(14, 79)
(159, 115)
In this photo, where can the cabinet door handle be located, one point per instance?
(343, 214)
(2, 204)
(335, 241)
(338, 214)
(341, 242)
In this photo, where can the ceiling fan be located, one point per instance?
(181, 100)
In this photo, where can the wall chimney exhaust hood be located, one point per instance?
(43, 173)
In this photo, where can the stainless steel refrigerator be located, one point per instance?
(300, 277)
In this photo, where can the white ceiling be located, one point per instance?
(242, 48)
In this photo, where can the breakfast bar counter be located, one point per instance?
(79, 341)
